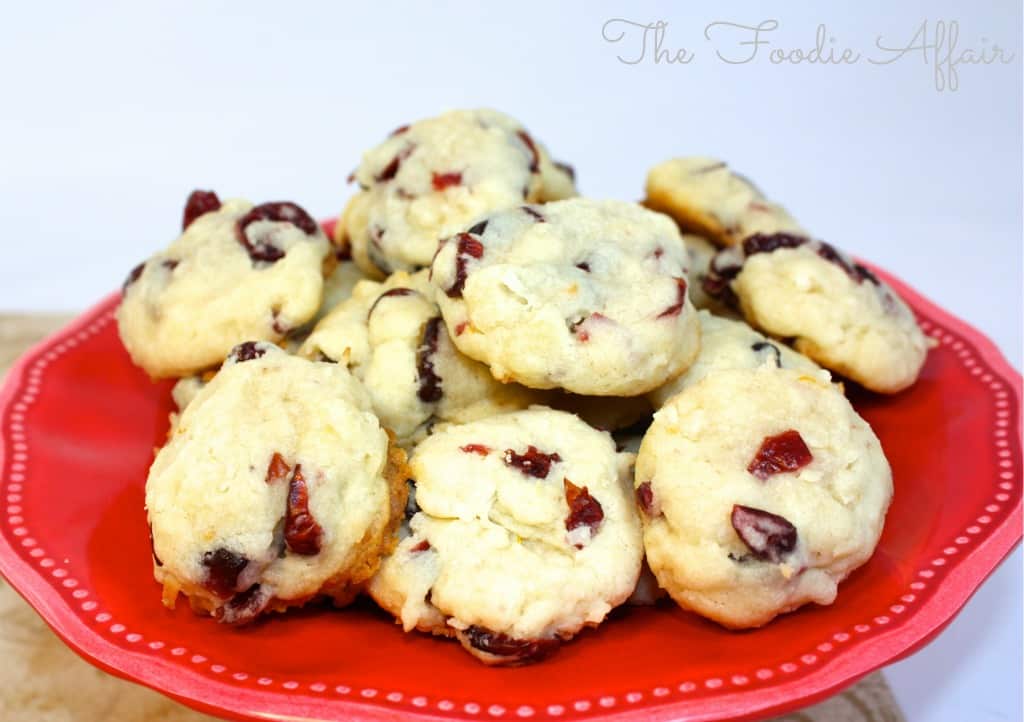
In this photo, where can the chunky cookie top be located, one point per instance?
(726, 344)
(760, 489)
(275, 485)
(836, 310)
(706, 197)
(238, 272)
(436, 176)
(589, 296)
(391, 336)
(525, 532)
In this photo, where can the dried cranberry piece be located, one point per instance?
(515, 651)
(244, 606)
(411, 507)
(262, 249)
(479, 228)
(760, 346)
(658, 252)
(461, 327)
(830, 254)
(302, 534)
(567, 169)
(576, 327)
(400, 291)
(277, 469)
(766, 243)
(198, 203)
(534, 155)
(584, 510)
(152, 547)
(676, 307)
(768, 536)
(780, 453)
(133, 276)
(247, 351)
(170, 264)
(645, 499)
(468, 247)
(718, 287)
(532, 462)
(440, 181)
(376, 250)
(865, 274)
(222, 569)
(421, 547)
(430, 383)
(399, 130)
(535, 214)
(280, 327)
(280, 212)
(480, 449)
(391, 169)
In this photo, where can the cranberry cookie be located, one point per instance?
(277, 485)
(525, 533)
(836, 311)
(238, 272)
(727, 344)
(760, 490)
(437, 176)
(705, 197)
(588, 296)
(390, 335)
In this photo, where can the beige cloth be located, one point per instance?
(44, 681)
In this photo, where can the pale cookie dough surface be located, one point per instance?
(693, 471)
(277, 484)
(838, 312)
(726, 344)
(706, 197)
(437, 176)
(338, 287)
(390, 335)
(526, 533)
(588, 296)
(189, 305)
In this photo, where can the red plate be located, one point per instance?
(78, 424)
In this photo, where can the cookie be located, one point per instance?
(525, 533)
(706, 197)
(836, 311)
(277, 485)
(390, 335)
(605, 413)
(760, 490)
(437, 176)
(588, 296)
(338, 287)
(237, 273)
(726, 344)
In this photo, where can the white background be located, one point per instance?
(110, 115)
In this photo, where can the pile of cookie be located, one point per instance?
(490, 404)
